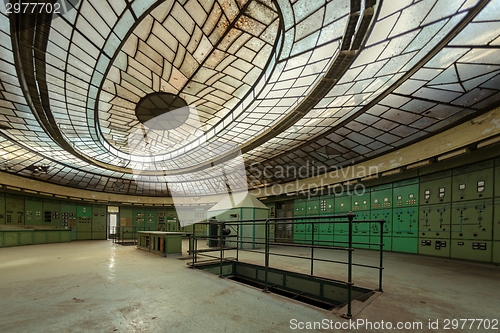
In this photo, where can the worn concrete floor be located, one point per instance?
(98, 286)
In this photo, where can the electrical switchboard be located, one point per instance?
(312, 209)
(496, 252)
(14, 210)
(436, 188)
(435, 221)
(376, 228)
(150, 219)
(381, 197)
(33, 212)
(51, 213)
(341, 230)
(2, 212)
(473, 182)
(99, 222)
(434, 246)
(68, 218)
(361, 230)
(405, 244)
(299, 231)
(138, 218)
(360, 201)
(326, 205)
(496, 190)
(496, 220)
(83, 222)
(405, 193)
(478, 250)
(472, 220)
(405, 222)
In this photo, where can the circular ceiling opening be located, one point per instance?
(162, 111)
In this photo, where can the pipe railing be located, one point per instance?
(266, 242)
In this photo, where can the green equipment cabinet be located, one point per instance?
(138, 219)
(473, 182)
(377, 228)
(312, 227)
(405, 229)
(381, 197)
(83, 222)
(99, 222)
(496, 230)
(299, 228)
(33, 211)
(360, 202)
(435, 188)
(14, 210)
(472, 230)
(52, 213)
(2, 212)
(326, 207)
(68, 218)
(341, 230)
(405, 193)
(496, 191)
(150, 218)
(361, 230)
(435, 230)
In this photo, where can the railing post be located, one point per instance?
(381, 255)
(266, 250)
(312, 249)
(350, 216)
(221, 233)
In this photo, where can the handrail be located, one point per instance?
(239, 240)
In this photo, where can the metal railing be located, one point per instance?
(127, 234)
(222, 237)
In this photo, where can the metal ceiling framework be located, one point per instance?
(288, 83)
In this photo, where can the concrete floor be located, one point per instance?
(98, 286)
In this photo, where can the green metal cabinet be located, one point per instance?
(405, 230)
(138, 219)
(496, 252)
(496, 219)
(361, 230)
(439, 247)
(496, 191)
(83, 222)
(2, 210)
(14, 210)
(472, 220)
(150, 218)
(435, 221)
(360, 201)
(99, 222)
(473, 182)
(405, 193)
(326, 207)
(435, 188)
(311, 227)
(51, 213)
(381, 197)
(68, 218)
(341, 230)
(33, 211)
(476, 250)
(299, 228)
(375, 229)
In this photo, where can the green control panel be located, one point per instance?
(405, 193)
(473, 182)
(51, 213)
(14, 210)
(435, 221)
(83, 222)
(68, 218)
(99, 222)
(360, 201)
(436, 188)
(405, 222)
(2, 210)
(33, 212)
(472, 220)
(386, 229)
(381, 197)
(434, 246)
